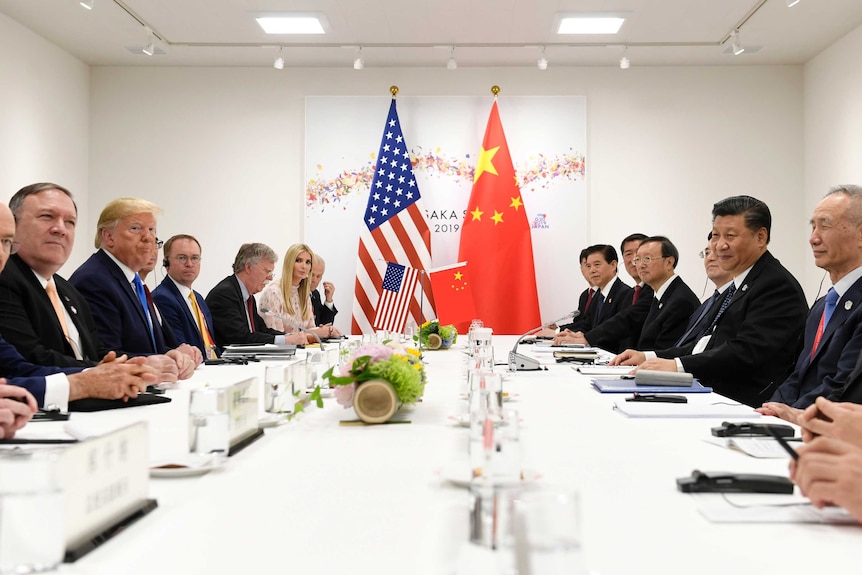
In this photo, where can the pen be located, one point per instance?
(14, 441)
(783, 443)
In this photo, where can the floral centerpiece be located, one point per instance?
(432, 335)
(377, 379)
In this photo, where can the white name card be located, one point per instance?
(104, 480)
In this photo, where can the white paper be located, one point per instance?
(760, 447)
(644, 409)
(765, 508)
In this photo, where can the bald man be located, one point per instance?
(324, 311)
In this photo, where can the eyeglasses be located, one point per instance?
(8, 246)
(647, 260)
(183, 259)
(159, 244)
(704, 254)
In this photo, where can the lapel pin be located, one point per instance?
(73, 310)
(660, 305)
(848, 304)
(744, 287)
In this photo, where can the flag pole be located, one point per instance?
(393, 90)
(495, 89)
(421, 305)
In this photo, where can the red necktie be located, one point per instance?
(250, 313)
(589, 299)
(637, 291)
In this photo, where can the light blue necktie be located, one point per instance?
(142, 297)
(831, 301)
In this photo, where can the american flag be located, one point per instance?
(393, 230)
(399, 284)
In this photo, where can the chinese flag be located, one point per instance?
(453, 295)
(495, 239)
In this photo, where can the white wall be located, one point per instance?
(833, 124)
(44, 120)
(220, 149)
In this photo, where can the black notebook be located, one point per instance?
(97, 404)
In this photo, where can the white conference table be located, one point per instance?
(316, 497)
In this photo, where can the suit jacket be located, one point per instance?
(178, 317)
(623, 330)
(667, 319)
(756, 341)
(22, 373)
(28, 320)
(322, 314)
(230, 319)
(120, 320)
(836, 354)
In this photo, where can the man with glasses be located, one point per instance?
(753, 338)
(232, 303)
(125, 318)
(183, 309)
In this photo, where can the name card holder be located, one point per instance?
(236, 403)
(106, 487)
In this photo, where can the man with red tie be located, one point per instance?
(833, 332)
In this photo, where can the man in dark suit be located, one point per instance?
(57, 386)
(183, 309)
(232, 303)
(833, 338)
(753, 338)
(673, 301)
(125, 320)
(324, 311)
(699, 320)
(611, 294)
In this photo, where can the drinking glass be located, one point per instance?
(546, 532)
(209, 422)
(32, 538)
(274, 387)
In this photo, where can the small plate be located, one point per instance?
(188, 466)
(463, 419)
(461, 475)
(273, 419)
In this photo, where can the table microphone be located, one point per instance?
(520, 362)
(289, 320)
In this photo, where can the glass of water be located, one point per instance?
(32, 538)
(547, 531)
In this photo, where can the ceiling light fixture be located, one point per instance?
(737, 47)
(542, 63)
(294, 24)
(88, 4)
(792, 3)
(452, 64)
(279, 61)
(150, 48)
(590, 25)
(625, 63)
(359, 63)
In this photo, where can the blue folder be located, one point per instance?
(629, 386)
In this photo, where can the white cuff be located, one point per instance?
(57, 392)
(650, 355)
(679, 366)
(280, 339)
(329, 304)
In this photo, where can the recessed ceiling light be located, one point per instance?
(290, 24)
(590, 25)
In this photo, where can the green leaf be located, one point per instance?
(315, 397)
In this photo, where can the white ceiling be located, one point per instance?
(419, 32)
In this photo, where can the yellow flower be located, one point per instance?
(412, 351)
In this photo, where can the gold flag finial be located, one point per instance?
(495, 90)
(393, 90)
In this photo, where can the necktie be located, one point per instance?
(250, 313)
(724, 303)
(599, 303)
(51, 290)
(142, 297)
(589, 300)
(694, 327)
(202, 327)
(831, 300)
(637, 292)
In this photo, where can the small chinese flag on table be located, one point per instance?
(453, 294)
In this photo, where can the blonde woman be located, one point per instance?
(290, 297)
